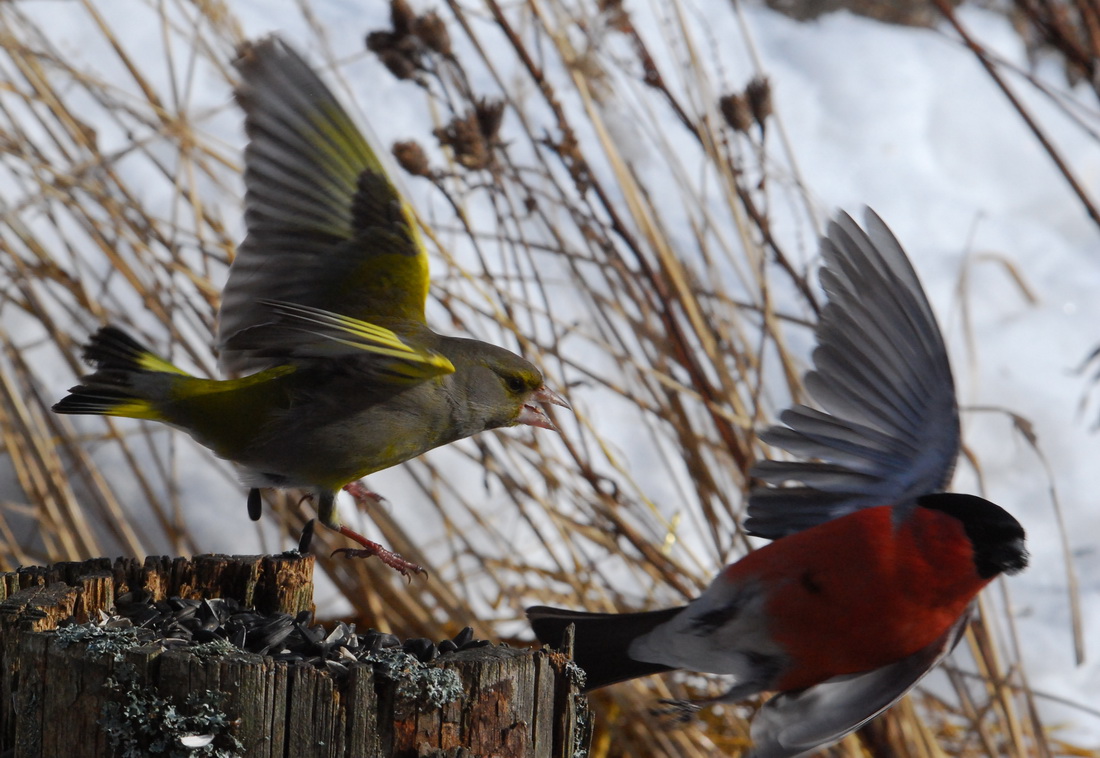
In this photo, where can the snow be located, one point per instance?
(907, 122)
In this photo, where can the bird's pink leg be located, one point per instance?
(365, 498)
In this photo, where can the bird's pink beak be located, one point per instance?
(532, 415)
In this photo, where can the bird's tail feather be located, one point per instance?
(601, 640)
(128, 380)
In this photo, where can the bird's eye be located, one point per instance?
(516, 384)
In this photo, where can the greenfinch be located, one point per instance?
(323, 314)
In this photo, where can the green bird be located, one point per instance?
(322, 319)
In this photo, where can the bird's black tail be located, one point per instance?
(601, 640)
(129, 379)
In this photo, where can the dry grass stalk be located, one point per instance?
(554, 233)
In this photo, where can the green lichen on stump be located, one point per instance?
(76, 685)
(141, 723)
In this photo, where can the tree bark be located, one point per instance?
(87, 690)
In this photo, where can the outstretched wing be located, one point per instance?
(317, 333)
(888, 426)
(326, 227)
(797, 723)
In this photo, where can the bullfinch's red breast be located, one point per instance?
(869, 581)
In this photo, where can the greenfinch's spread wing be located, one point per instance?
(326, 227)
(330, 335)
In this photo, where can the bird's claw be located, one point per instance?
(387, 556)
(402, 565)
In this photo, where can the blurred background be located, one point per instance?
(629, 194)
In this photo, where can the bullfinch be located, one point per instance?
(873, 568)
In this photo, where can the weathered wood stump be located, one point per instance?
(74, 683)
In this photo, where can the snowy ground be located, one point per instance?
(905, 120)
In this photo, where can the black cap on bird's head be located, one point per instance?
(997, 537)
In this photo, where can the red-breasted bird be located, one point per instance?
(869, 581)
(324, 313)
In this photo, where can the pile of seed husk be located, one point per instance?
(181, 622)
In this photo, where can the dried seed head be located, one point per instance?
(411, 157)
(402, 17)
(380, 41)
(473, 135)
(490, 114)
(433, 32)
(464, 137)
(404, 48)
(759, 94)
(735, 109)
(754, 105)
(615, 15)
(400, 54)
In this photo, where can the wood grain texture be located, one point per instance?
(76, 691)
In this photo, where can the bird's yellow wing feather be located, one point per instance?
(326, 227)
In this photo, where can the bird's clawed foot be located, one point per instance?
(393, 560)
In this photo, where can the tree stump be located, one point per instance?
(75, 682)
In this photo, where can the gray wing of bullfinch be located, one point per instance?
(798, 723)
(886, 429)
(332, 249)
